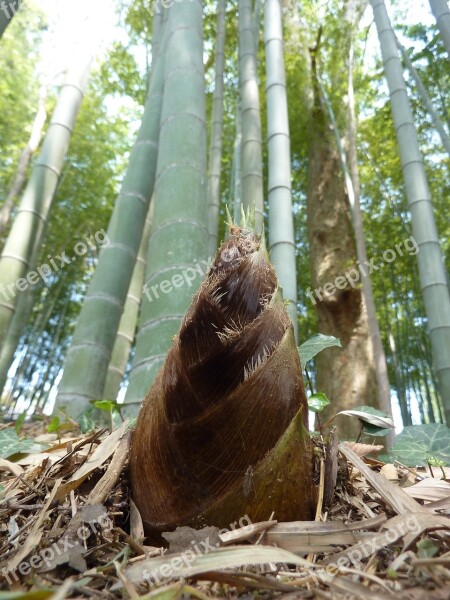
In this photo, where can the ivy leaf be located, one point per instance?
(314, 345)
(87, 423)
(417, 445)
(11, 443)
(371, 416)
(427, 548)
(317, 402)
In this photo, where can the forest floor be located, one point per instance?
(69, 529)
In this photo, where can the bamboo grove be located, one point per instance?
(329, 122)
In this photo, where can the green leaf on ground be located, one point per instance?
(417, 445)
(11, 443)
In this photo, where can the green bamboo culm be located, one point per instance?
(281, 222)
(215, 149)
(127, 326)
(432, 273)
(251, 149)
(441, 13)
(179, 236)
(25, 237)
(89, 355)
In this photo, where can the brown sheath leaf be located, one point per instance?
(229, 399)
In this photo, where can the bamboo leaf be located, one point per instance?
(187, 564)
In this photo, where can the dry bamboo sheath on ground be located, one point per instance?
(222, 432)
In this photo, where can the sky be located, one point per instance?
(75, 27)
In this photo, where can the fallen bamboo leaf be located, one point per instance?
(34, 537)
(187, 565)
(43, 594)
(390, 472)
(136, 525)
(7, 465)
(313, 537)
(112, 474)
(363, 449)
(245, 533)
(405, 526)
(393, 495)
(99, 456)
(72, 548)
(13, 530)
(355, 590)
(255, 581)
(429, 489)
(175, 591)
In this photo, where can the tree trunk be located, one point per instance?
(381, 370)
(281, 222)
(432, 274)
(346, 375)
(17, 329)
(257, 9)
